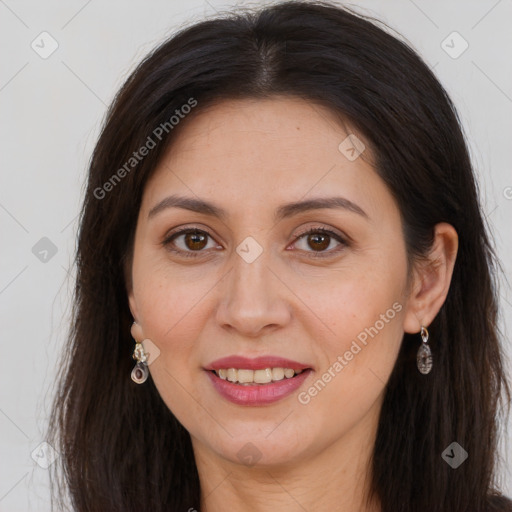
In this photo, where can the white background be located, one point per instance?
(51, 111)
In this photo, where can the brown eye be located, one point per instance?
(195, 240)
(319, 241)
(187, 242)
(316, 241)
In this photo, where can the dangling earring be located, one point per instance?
(424, 355)
(140, 371)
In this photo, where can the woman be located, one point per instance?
(282, 228)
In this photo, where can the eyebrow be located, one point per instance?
(283, 212)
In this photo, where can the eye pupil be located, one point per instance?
(323, 244)
(196, 238)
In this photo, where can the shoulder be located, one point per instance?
(498, 503)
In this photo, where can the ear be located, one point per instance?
(136, 328)
(127, 271)
(136, 331)
(431, 279)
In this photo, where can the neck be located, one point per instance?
(335, 478)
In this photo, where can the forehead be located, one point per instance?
(257, 152)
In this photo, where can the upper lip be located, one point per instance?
(257, 363)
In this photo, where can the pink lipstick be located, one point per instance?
(259, 381)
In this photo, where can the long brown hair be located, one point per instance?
(121, 448)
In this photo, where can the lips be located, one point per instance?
(256, 394)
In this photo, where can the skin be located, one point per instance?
(249, 157)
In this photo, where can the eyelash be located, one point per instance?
(314, 254)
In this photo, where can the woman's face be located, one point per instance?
(249, 284)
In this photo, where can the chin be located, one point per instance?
(259, 451)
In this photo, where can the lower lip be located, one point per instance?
(258, 394)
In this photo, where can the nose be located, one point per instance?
(254, 299)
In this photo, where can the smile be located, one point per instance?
(253, 393)
(264, 376)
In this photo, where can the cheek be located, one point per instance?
(358, 358)
(169, 295)
(170, 309)
(363, 312)
(172, 313)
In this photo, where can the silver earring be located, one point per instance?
(140, 371)
(424, 355)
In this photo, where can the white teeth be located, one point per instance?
(245, 376)
(263, 376)
(288, 373)
(277, 373)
